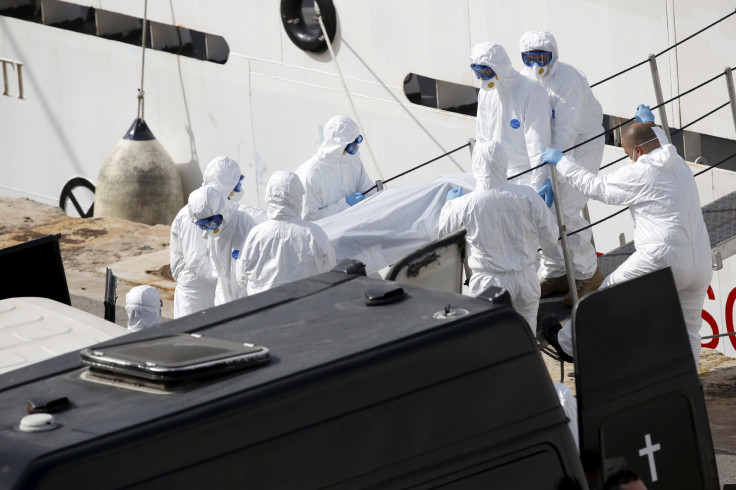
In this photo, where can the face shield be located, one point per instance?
(352, 148)
(210, 224)
(237, 193)
(483, 72)
(539, 58)
(536, 57)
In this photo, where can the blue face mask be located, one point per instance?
(352, 148)
(211, 223)
(483, 72)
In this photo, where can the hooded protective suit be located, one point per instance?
(332, 174)
(505, 225)
(513, 110)
(669, 230)
(285, 248)
(226, 242)
(190, 266)
(576, 117)
(143, 305)
(223, 174)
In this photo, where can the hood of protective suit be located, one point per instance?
(143, 305)
(660, 158)
(338, 132)
(541, 40)
(205, 202)
(284, 193)
(223, 174)
(489, 165)
(493, 55)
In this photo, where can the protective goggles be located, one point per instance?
(211, 223)
(536, 57)
(239, 187)
(352, 148)
(483, 72)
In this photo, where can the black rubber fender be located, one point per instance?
(292, 17)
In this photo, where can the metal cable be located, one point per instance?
(673, 132)
(624, 209)
(419, 166)
(141, 106)
(623, 124)
(347, 92)
(664, 51)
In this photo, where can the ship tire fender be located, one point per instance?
(292, 17)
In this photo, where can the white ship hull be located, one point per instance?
(69, 97)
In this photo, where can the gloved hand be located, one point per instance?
(643, 114)
(552, 156)
(354, 198)
(546, 193)
(457, 192)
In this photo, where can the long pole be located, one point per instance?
(660, 98)
(731, 93)
(563, 236)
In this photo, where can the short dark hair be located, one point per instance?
(621, 477)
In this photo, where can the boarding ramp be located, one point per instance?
(640, 408)
(438, 265)
(720, 220)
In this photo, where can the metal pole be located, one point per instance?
(731, 93)
(660, 99)
(563, 236)
(586, 217)
(471, 142)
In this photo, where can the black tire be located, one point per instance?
(292, 17)
(68, 195)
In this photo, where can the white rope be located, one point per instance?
(345, 88)
(141, 107)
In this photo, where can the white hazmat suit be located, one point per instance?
(143, 305)
(285, 248)
(514, 110)
(576, 117)
(191, 267)
(505, 225)
(669, 230)
(224, 243)
(332, 174)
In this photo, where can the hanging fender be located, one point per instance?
(292, 16)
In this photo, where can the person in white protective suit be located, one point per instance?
(576, 117)
(334, 178)
(143, 305)
(514, 110)
(224, 174)
(669, 230)
(505, 225)
(191, 267)
(285, 248)
(225, 228)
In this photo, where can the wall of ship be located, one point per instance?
(265, 105)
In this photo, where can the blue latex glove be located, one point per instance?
(552, 156)
(546, 193)
(354, 198)
(457, 192)
(643, 114)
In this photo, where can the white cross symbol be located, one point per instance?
(649, 451)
